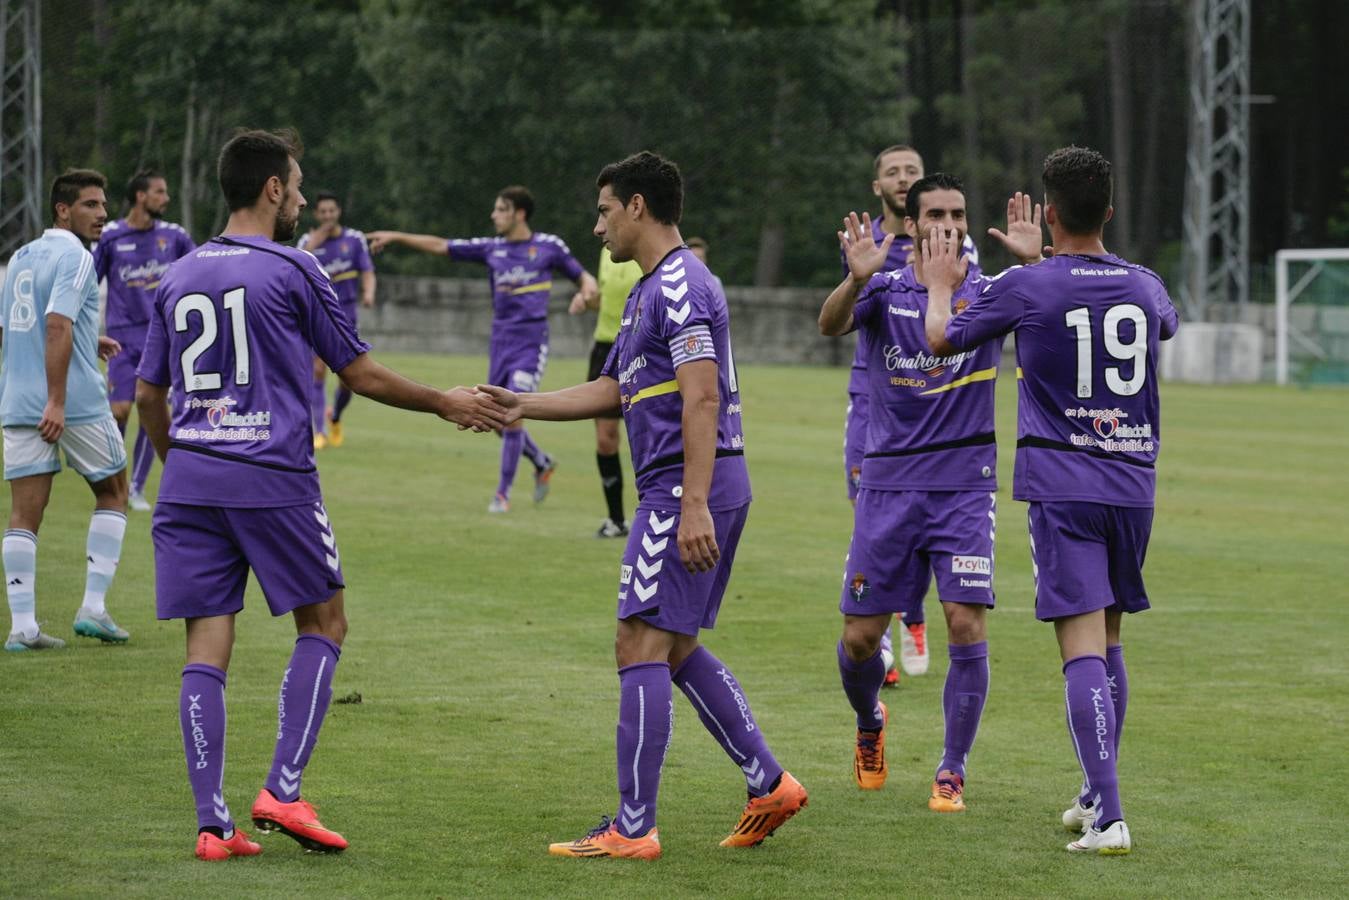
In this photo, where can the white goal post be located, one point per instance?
(1284, 295)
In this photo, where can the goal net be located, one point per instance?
(1311, 331)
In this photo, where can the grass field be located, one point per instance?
(482, 649)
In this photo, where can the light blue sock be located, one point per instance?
(20, 559)
(104, 549)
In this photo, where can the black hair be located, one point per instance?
(937, 181)
(656, 178)
(1079, 185)
(250, 158)
(519, 197)
(67, 186)
(140, 182)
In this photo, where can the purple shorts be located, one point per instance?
(902, 539)
(517, 366)
(1088, 556)
(653, 583)
(855, 440)
(203, 554)
(122, 367)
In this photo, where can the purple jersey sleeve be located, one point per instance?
(185, 243)
(997, 310)
(564, 262)
(871, 299)
(326, 325)
(102, 259)
(360, 257)
(469, 249)
(154, 365)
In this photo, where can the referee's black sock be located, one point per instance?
(611, 477)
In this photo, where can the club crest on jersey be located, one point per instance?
(855, 476)
(960, 306)
(1105, 427)
(346, 248)
(162, 244)
(859, 587)
(533, 252)
(693, 344)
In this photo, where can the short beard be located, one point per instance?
(284, 229)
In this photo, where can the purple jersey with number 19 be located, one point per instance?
(1087, 331)
(235, 326)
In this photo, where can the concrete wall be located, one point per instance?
(451, 315)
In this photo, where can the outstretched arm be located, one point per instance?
(427, 243)
(865, 258)
(459, 405)
(582, 401)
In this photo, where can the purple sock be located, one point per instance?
(962, 702)
(318, 407)
(306, 689)
(201, 712)
(532, 451)
(725, 713)
(511, 441)
(862, 683)
(1118, 676)
(142, 458)
(1091, 724)
(340, 400)
(645, 723)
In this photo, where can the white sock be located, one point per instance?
(20, 560)
(104, 548)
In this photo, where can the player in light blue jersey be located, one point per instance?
(54, 399)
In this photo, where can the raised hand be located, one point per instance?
(942, 262)
(865, 257)
(1023, 237)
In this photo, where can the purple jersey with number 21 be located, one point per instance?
(1087, 331)
(235, 326)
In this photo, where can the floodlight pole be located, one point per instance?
(20, 123)
(1215, 254)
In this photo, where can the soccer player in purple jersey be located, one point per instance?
(235, 327)
(927, 505)
(896, 168)
(1087, 327)
(672, 375)
(132, 254)
(345, 256)
(521, 264)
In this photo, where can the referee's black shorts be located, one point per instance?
(598, 354)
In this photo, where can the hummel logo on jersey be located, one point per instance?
(901, 311)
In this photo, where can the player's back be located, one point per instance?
(1088, 421)
(53, 274)
(235, 328)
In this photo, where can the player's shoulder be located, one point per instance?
(171, 227)
(1150, 276)
(112, 231)
(65, 247)
(551, 240)
(892, 281)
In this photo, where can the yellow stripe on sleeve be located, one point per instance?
(656, 390)
(531, 288)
